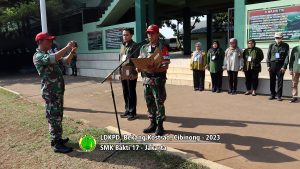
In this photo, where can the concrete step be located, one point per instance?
(179, 70)
(207, 84)
(184, 76)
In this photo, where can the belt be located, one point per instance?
(154, 74)
(278, 61)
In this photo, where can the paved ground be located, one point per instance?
(255, 133)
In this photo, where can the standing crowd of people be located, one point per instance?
(216, 60)
(234, 59)
(47, 62)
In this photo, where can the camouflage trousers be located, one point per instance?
(155, 96)
(54, 114)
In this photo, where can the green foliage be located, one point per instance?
(16, 15)
(175, 27)
(220, 21)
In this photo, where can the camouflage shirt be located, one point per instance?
(154, 78)
(52, 81)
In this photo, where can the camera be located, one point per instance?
(75, 43)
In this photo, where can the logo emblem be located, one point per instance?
(87, 143)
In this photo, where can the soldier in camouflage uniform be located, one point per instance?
(52, 86)
(154, 81)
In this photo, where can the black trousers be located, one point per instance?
(74, 70)
(233, 80)
(275, 72)
(251, 79)
(129, 93)
(216, 80)
(199, 78)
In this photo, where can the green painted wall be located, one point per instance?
(264, 6)
(140, 17)
(82, 38)
(239, 21)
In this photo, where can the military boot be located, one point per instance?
(151, 128)
(160, 129)
(59, 147)
(63, 141)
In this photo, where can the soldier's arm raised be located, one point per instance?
(69, 58)
(61, 53)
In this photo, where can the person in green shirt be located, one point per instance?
(214, 63)
(252, 66)
(277, 62)
(295, 71)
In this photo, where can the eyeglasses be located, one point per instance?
(278, 38)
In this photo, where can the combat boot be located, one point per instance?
(59, 147)
(151, 128)
(63, 141)
(160, 129)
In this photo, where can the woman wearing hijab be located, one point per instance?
(252, 66)
(198, 62)
(215, 59)
(233, 63)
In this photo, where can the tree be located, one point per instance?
(175, 27)
(220, 21)
(17, 16)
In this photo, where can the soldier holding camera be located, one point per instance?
(53, 86)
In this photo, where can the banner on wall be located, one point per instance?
(113, 38)
(262, 24)
(95, 41)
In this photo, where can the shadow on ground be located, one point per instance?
(254, 148)
(191, 122)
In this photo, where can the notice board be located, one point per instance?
(95, 40)
(262, 24)
(113, 38)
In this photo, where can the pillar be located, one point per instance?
(140, 19)
(43, 16)
(187, 31)
(209, 30)
(240, 21)
(152, 12)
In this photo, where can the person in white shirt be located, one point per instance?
(233, 63)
